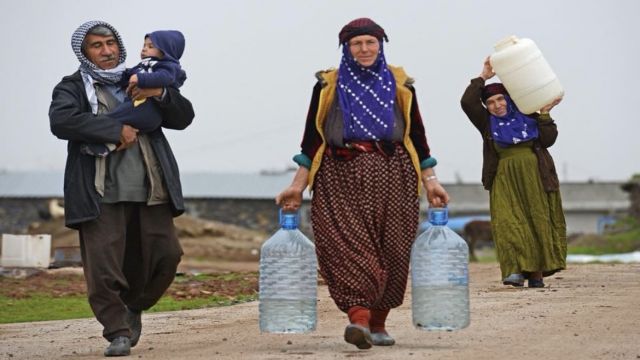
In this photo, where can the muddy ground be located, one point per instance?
(586, 312)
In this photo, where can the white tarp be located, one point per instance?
(632, 257)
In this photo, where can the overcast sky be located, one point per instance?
(251, 65)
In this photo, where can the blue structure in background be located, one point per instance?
(603, 221)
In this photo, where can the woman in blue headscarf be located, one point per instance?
(365, 157)
(527, 221)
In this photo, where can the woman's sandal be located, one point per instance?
(382, 339)
(536, 283)
(358, 335)
(516, 280)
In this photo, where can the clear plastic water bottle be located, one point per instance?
(440, 276)
(288, 280)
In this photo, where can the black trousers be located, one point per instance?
(130, 255)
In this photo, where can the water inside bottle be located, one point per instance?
(441, 308)
(287, 316)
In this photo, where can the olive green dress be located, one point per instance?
(528, 224)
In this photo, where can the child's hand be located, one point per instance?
(133, 82)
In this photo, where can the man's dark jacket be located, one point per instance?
(71, 119)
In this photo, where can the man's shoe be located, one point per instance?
(134, 319)
(536, 283)
(358, 335)
(120, 346)
(516, 280)
(382, 339)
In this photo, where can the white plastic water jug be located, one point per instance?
(525, 74)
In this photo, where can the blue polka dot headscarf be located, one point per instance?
(366, 94)
(512, 128)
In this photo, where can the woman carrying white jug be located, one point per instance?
(527, 221)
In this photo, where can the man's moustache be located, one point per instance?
(108, 58)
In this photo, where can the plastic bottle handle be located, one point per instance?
(438, 217)
(281, 218)
(445, 206)
(506, 42)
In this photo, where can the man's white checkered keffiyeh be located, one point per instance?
(111, 76)
(89, 71)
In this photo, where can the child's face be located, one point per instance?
(148, 50)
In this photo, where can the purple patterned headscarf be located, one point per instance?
(366, 97)
(514, 127)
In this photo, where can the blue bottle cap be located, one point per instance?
(288, 221)
(438, 216)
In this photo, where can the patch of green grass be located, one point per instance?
(622, 241)
(627, 241)
(47, 297)
(199, 277)
(168, 303)
(584, 250)
(232, 276)
(41, 307)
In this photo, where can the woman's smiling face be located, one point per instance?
(497, 105)
(365, 49)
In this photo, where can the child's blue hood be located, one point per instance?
(171, 42)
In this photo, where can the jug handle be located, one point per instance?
(508, 41)
(281, 215)
(445, 207)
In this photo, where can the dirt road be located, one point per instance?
(587, 312)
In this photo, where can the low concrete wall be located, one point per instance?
(261, 215)
(17, 213)
(584, 204)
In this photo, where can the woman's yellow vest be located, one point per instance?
(329, 78)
